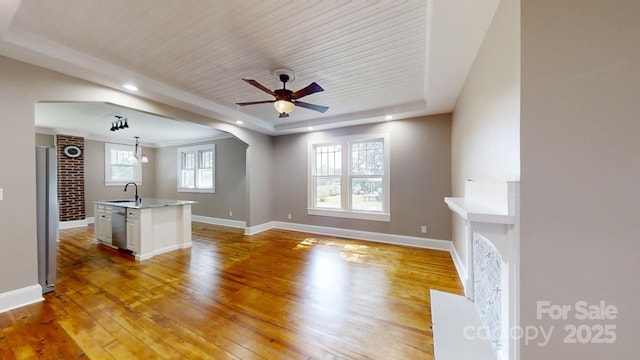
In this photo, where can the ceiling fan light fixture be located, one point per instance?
(283, 106)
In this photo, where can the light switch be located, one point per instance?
(1, 195)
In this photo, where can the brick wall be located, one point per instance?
(70, 180)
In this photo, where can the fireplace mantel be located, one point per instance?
(476, 211)
(491, 202)
(491, 235)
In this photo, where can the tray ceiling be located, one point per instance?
(373, 58)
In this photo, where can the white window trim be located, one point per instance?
(345, 141)
(107, 165)
(211, 147)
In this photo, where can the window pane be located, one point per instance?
(122, 173)
(187, 178)
(327, 193)
(367, 157)
(206, 159)
(328, 160)
(188, 160)
(122, 157)
(205, 178)
(197, 168)
(120, 165)
(366, 194)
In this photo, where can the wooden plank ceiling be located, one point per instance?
(367, 55)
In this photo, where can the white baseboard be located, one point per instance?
(460, 268)
(218, 221)
(20, 297)
(413, 241)
(149, 255)
(252, 230)
(72, 224)
(140, 257)
(91, 220)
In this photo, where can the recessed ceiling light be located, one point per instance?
(239, 122)
(388, 117)
(130, 87)
(310, 128)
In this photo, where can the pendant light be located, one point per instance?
(137, 152)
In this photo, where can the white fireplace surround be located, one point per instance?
(489, 210)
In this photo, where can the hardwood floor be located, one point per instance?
(275, 295)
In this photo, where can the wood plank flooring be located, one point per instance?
(274, 295)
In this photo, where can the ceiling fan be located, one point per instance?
(286, 100)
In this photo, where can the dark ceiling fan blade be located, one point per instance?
(255, 102)
(312, 88)
(260, 86)
(318, 108)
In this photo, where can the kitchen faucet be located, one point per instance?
(138, 200)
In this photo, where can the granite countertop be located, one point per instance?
(145, 203)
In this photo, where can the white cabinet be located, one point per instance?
(155, 227)
(102, 226)
(133, 230)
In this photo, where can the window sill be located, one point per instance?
(210, 191)
(350, 214)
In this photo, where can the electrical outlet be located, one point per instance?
(423, 229)
(289, 216)
(230, 213)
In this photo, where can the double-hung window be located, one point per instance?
(120, 166)
(196, 169)
(349, 177)
(327, 176)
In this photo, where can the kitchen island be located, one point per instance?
(146, 228)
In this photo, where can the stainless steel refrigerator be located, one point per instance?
(47, 210)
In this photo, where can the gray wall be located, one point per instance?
(22, 86)
(45, 140)
(94, 187)
(230, 180)
(260, 180)
(486, 119)
(18, 267)
(159, 178)
(581, 169)
(420, 177)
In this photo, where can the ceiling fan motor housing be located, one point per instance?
(283, 94)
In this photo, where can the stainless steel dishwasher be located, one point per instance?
(119, 227)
